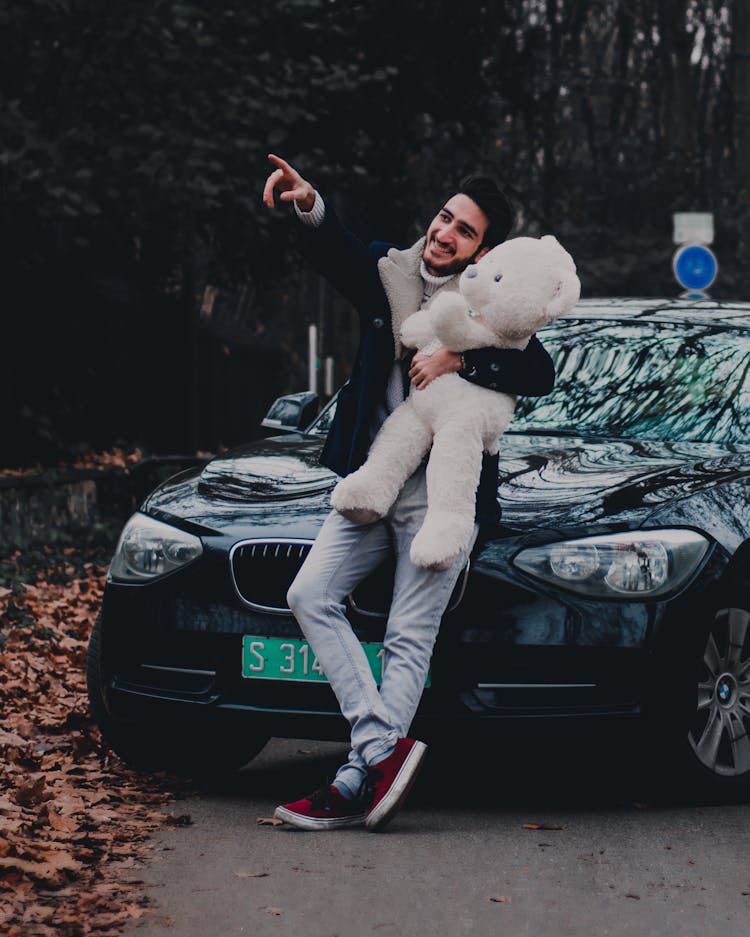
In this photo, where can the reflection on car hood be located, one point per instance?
(282, 467)
(545, 481)
(550, 480)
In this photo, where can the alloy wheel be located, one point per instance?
(720, 731)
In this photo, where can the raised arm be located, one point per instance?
(339, 256)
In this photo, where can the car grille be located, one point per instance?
(263, 570)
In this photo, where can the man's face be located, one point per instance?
(455, 235)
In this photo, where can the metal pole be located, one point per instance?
(312, 357)
(329, 376)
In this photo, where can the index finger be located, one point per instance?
(281, 163)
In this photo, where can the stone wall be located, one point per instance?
(55, 505)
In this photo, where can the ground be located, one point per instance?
(74, 821)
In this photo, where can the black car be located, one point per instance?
(616, 587)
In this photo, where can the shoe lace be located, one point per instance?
(320, 798)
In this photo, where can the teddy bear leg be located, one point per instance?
(367, 494)
(452, 479)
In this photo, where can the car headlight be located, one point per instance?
(632, 564)
(149, 548)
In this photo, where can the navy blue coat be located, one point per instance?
(352, 268)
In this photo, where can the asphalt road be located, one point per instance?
(457, 860)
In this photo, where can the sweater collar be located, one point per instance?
(401, 275)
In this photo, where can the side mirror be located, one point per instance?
(292, 413)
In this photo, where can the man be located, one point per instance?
(386, 285)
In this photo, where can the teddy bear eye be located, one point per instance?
(498, 278)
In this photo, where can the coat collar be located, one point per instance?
(403, 285)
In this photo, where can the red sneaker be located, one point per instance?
(392, 779)
(325, 809)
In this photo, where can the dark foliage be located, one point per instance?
(134, 136)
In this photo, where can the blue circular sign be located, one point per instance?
(695, 266)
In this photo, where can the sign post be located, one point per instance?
(694, 264)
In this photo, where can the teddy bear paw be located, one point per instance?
(351, 498)
(437, 545)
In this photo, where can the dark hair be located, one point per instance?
(494, 203)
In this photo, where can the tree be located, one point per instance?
(741, 63)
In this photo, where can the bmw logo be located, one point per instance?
(724, 689)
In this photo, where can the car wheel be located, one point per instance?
(718, 739)
(151, 746)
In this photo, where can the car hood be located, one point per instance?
(277, 468)
(549, 480)
(544, 481)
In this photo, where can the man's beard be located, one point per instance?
(450, 269)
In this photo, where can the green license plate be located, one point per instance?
(293, 659)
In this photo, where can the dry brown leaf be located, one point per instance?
(501, 899)
(541, 826)
(60, 823)
(268, 821)
(30, 794)
(184, 819)
(276, 912)
(252, 874)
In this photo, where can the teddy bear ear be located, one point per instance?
(551, 242)
(566, 294)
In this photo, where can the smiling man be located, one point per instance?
(456, 237)
(386, 285)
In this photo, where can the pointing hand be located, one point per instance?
(292, 187)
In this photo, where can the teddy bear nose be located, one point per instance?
(471, 271)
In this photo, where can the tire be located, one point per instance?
(718, 739)
(197, 750)
(711, 760)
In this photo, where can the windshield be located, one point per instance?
(644, 380)
(640, 380)
(323, 421)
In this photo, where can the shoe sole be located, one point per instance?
(310, 823)
(390, 803)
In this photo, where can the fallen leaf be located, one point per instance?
(268, 821)
(629, 895)
(541, 826)
(501, 899)
(31, 794)
(276, 912)
(252, 874)
(60, 823)
(184, 819)
(134, 911)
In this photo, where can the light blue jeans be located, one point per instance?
(341, 557)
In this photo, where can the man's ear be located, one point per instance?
(480, 253)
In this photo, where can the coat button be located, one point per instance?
(378, 323)
(494, 366)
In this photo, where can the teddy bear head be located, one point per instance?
(521, 285)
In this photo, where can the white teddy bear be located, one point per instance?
(516, 288)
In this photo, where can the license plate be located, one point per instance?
(293, 659)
